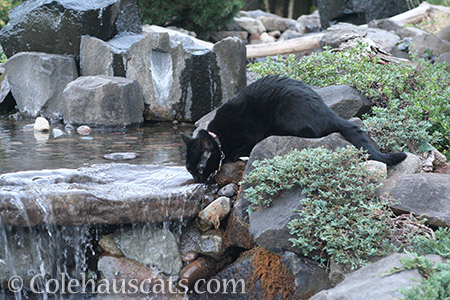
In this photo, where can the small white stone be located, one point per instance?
(57, 132)
(84, 130)
(41, 124)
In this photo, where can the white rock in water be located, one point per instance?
(84, 130)
(57, 132)
(41, 124)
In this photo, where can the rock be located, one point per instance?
(389, 25)
(261, 274)
(229, 190)
(125, 271)
(445, 57)
(121, 156)
(237, 233)
(263, 39)
(84, 130)
(37, 81)
(373, 282)
(189, 256)
(342, 32)
(310, 278)
(107, 244)
(412, 164)
(444, 34)
(103, 101)
(56, 26)
(309, 23)
(231, 173)
(289, 34)
(194, 241)
(376, 169)
(214, 213)
(220, 35)
(275, 235)
(358, 12)
(259, 13)
(275, 34)
(7, 102)
(345, 101)
(109, 58)
(250, 25)
(99, 194)
(273, 23)
(150, 246)
(425, 194)
(422, 42)
(41, 124)
(202, 268)
(56, 133)
(128, 19)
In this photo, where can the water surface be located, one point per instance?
(22, 149)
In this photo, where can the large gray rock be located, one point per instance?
(250, 25)
(426, 41)
(128, 19)
(103, 101)
(56, 26)
(372, 282)
(37, 82)
(425, 194)
(151, 246)
(358, 11)
(444, 34)
(180, 78)
(345, 101)
(101, 194)
(390, 25)
(342, 32)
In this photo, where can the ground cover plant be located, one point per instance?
(418, 92)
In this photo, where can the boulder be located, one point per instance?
(373, 282)
(56, 26)
(99, 194)
(180, 78)
(412, 164)
(103, 101)
(394, 27)
(445, 57)
(151, 246)
(342, 32)
(308, 23)
(128, 19)
(358, 12)
(424, 194)
(273, 23)
(345, 101)
(37, 82)
(250, 25)
(422, 42)
(444, 34)
(193, 240)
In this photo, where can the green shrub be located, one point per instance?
(422, 91)
(439, 245)
(197, 15)
(341, 216)
(5, 7)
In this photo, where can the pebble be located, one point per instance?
(84, 130)
(229, 190)
(41, 124)
(121, 156)
(189, 256)
(202, 268)
(212, 214)
(57, 132)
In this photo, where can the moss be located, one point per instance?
(275, 279)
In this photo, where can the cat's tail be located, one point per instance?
(358, 138)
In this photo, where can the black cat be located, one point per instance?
(272, 105)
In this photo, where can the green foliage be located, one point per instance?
(439, 245)
(396, 132)
(197, 15)
(421, 92)
(341, 216)
(5, 7)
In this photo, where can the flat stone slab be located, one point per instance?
(99, 194)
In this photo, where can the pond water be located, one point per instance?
(22, 149)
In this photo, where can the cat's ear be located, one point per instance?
(186, 139)
(206, 145)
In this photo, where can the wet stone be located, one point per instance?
(99, 194)
(121, 156)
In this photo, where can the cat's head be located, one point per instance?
(203, 155)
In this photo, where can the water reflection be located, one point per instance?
(22, 149)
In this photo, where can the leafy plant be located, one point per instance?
(5, 7)
(439, 245)
(197, 15)
(421, 91)
(341, 216)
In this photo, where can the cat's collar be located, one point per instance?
(219, 144)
